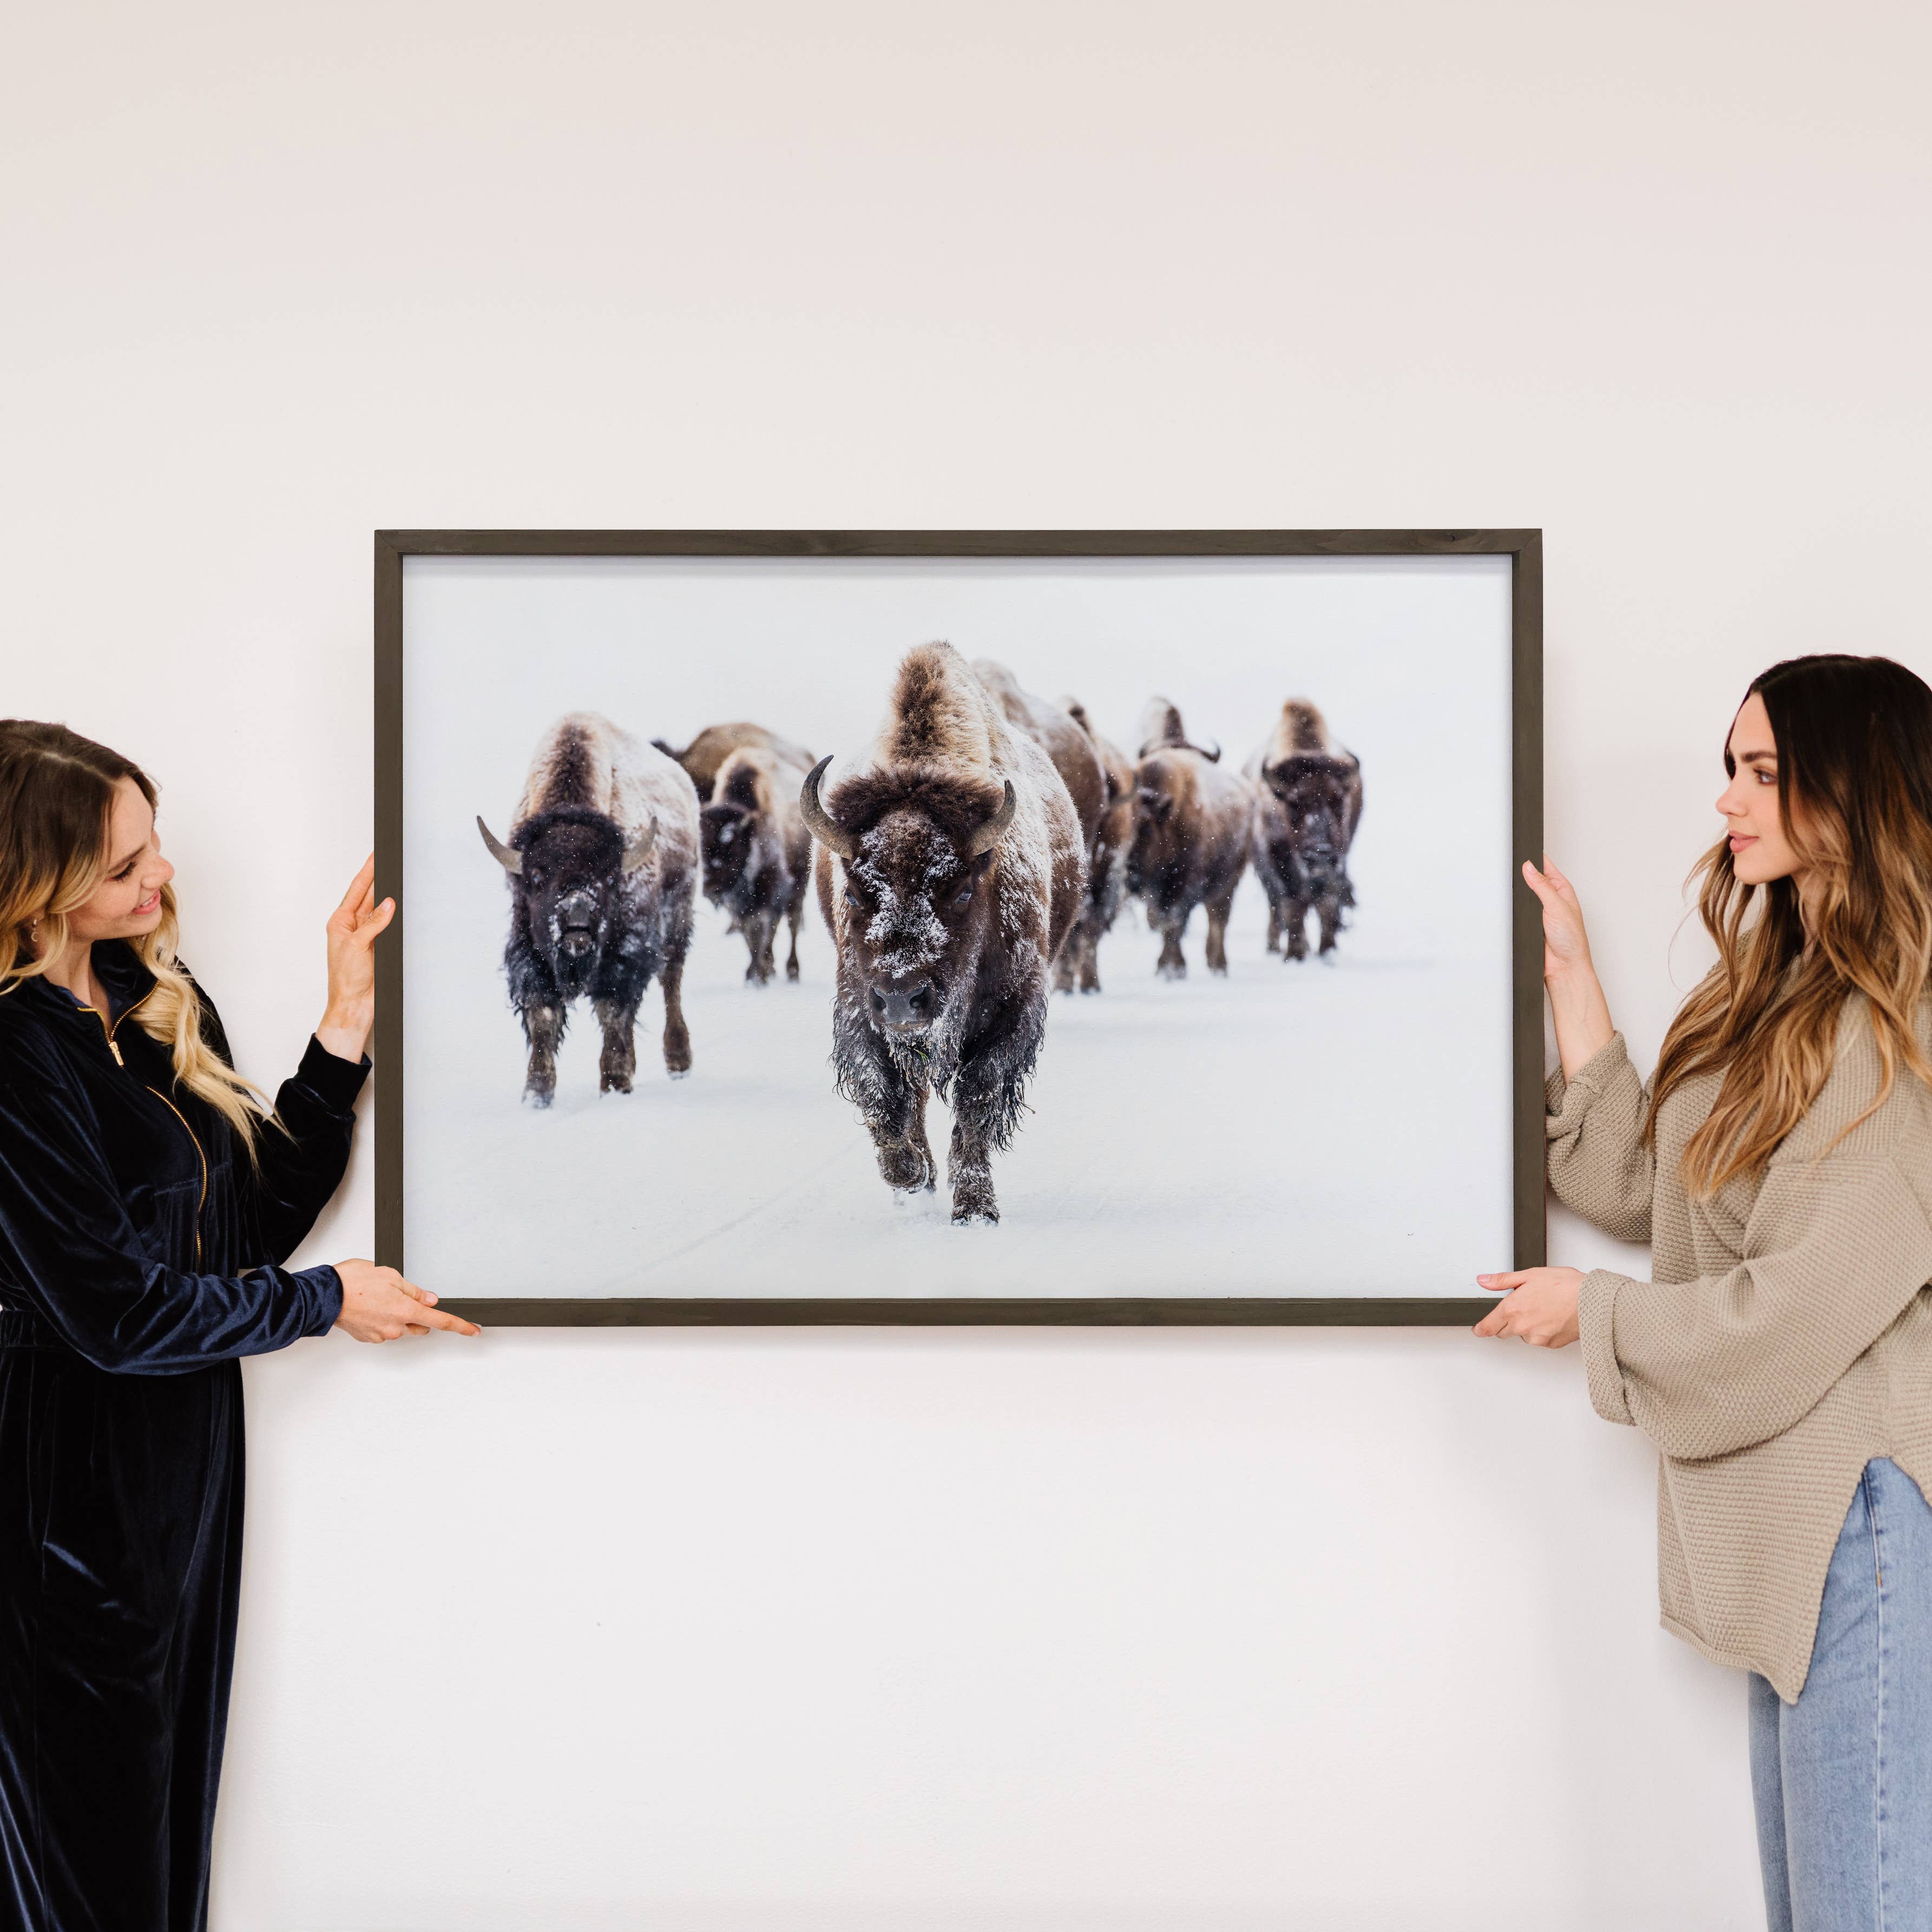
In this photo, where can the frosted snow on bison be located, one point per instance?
(602, 867)
(1192, 821)
(951, 868)
(1310, 790)
(758, 853)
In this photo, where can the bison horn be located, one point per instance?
(818, 821)
(639, 849)
(510, 861)
(1213, 757)
(990, 834)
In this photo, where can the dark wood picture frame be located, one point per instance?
(1524, 548)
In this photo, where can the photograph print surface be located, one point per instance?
(790, 928)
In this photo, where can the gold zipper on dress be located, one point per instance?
(203, 1158)
(201, 1154)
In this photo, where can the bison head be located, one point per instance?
(1158, 853)
(1315, 793)
(727, 832)
(917, 850)
(566, 869)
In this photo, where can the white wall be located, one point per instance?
(771, 1632)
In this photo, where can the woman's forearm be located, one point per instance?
(344, 1028)
(1582, 1014)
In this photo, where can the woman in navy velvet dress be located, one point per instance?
(148, 1202)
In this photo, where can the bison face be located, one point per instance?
(1314, 796)
(919, 904)
(1157, 852)
(570, 880)
(566, 871)
(727, 832)
(917, 911)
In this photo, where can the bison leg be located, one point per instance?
(1274, 924)
(1218, 911)
(1294, 932)
(989, 1100)
(619, 1060)
(758, 943)
(905, 1156)
(1066, 962)
(1089, 960)
(895, 1115)
(891, 1103)
(543, 1026)
(1329, 908)
(971, 1175)
(677, 1035)
(793, 918)
(1172, 964)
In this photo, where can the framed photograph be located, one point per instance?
(925, 927)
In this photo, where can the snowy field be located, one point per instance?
(1212, 1137)
(1309, 1128)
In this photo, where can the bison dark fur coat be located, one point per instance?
(602, 868)
(946, 920)
(1310, 789)
(1192, 823)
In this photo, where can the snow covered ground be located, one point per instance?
(1213, 1137)
(1317, 1129)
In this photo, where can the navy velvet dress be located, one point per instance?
(139, 1258)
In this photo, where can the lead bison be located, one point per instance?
(602, 865)
(1193, 822)
(1310, 790)
(950, 870)
(1079, 959)
(758, 853)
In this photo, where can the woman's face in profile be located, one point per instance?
(127, 904)
(1760, 851)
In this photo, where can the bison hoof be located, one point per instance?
(905, 1169)
(538, 1097)
(1175, 970)
(973, 1199)
(791, 969)
(614, 1083)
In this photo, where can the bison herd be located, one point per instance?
(973, 862)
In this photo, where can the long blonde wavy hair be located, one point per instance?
(1854, 742)
(56, 803)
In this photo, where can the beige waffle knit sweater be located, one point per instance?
(1786, 1341)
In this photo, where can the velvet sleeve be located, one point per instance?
(300, 1163)
(75, 1258)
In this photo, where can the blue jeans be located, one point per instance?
(1842, 1779)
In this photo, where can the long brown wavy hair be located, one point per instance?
(56, 804)
(1854, 742)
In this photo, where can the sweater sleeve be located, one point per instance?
(72, 1255)
(1835, 1251)
(1598, 1163)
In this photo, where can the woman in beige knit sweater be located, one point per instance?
(1779, 1162)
